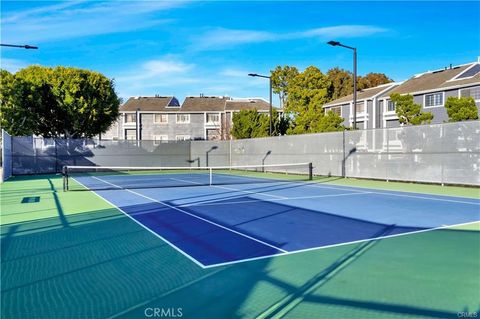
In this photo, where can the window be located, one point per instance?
(337, 110)
(157, 139)
(435, 99)
(360, 107)
(183, 118)
(130, 134)
(130, 118)
(391, 106)
(213, 118)
(160, 118)
(471, 92)
(182, 137)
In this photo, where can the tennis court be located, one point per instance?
(245, 246)
(227, 217)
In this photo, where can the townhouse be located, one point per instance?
(429, 89)
(161, 118)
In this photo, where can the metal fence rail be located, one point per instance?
(440, 153)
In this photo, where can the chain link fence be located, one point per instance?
(446, 153)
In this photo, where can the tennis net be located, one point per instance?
(116, 177)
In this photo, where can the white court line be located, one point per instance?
(193, 215)
(216, 202)
(230, 188)
(336, 245)
(148, 229)
(285, 253)
(372, 191)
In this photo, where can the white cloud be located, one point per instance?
(220, 38)
(13, 65)
(71, 20)
(343, 31)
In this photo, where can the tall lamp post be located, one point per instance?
(336, 43)
(19, 46)
(270, 109)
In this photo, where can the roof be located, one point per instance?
(365, 94)
(437, 80)
(247, 104)
(204, 103)
(193, 104)
(151, 103)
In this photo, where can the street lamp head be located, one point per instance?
(252, 74)
(30, 47)
(333, 43)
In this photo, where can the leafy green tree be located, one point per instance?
(57, 102)
(330, 122)
(308, 92)
(251, 123)
(281, 78)
(341, 82)
(372, 80)
(408, 112)
(461, 109)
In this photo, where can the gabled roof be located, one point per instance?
(439, 80)
(204, 103)
(365, 94)
(247, 104)
(150, 103)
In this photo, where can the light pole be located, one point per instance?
(336, 43)
(270, 109)
(19, 46)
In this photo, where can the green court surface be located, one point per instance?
(73, 255)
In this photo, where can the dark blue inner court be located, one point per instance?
(232, 222)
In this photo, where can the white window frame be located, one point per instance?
(433, 106)
(160, 114)
(158, 139)
(212, 122)
(183, 137)
(186, 122)
(394, 106)
(334, 107)
(469, 88)
(126, 136)
(125, 118)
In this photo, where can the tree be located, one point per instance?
(57, 102)
(372, 80)
(408, 112)
(308, 92)
(281, 78)
(251, 123)
(461, 109)
(341, 83)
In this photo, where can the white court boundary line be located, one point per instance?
(370, 190)
(193, 215)
(337, 245)
(146, 228)
(231, 188)
(284, 253)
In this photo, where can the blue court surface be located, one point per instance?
(241, 218)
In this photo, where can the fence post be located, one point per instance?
(344, 170)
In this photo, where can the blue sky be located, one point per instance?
(192, 47)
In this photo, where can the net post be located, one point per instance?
(310, 171)
(210, 173)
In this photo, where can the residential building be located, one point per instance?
(163, 118)
(429, 89)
